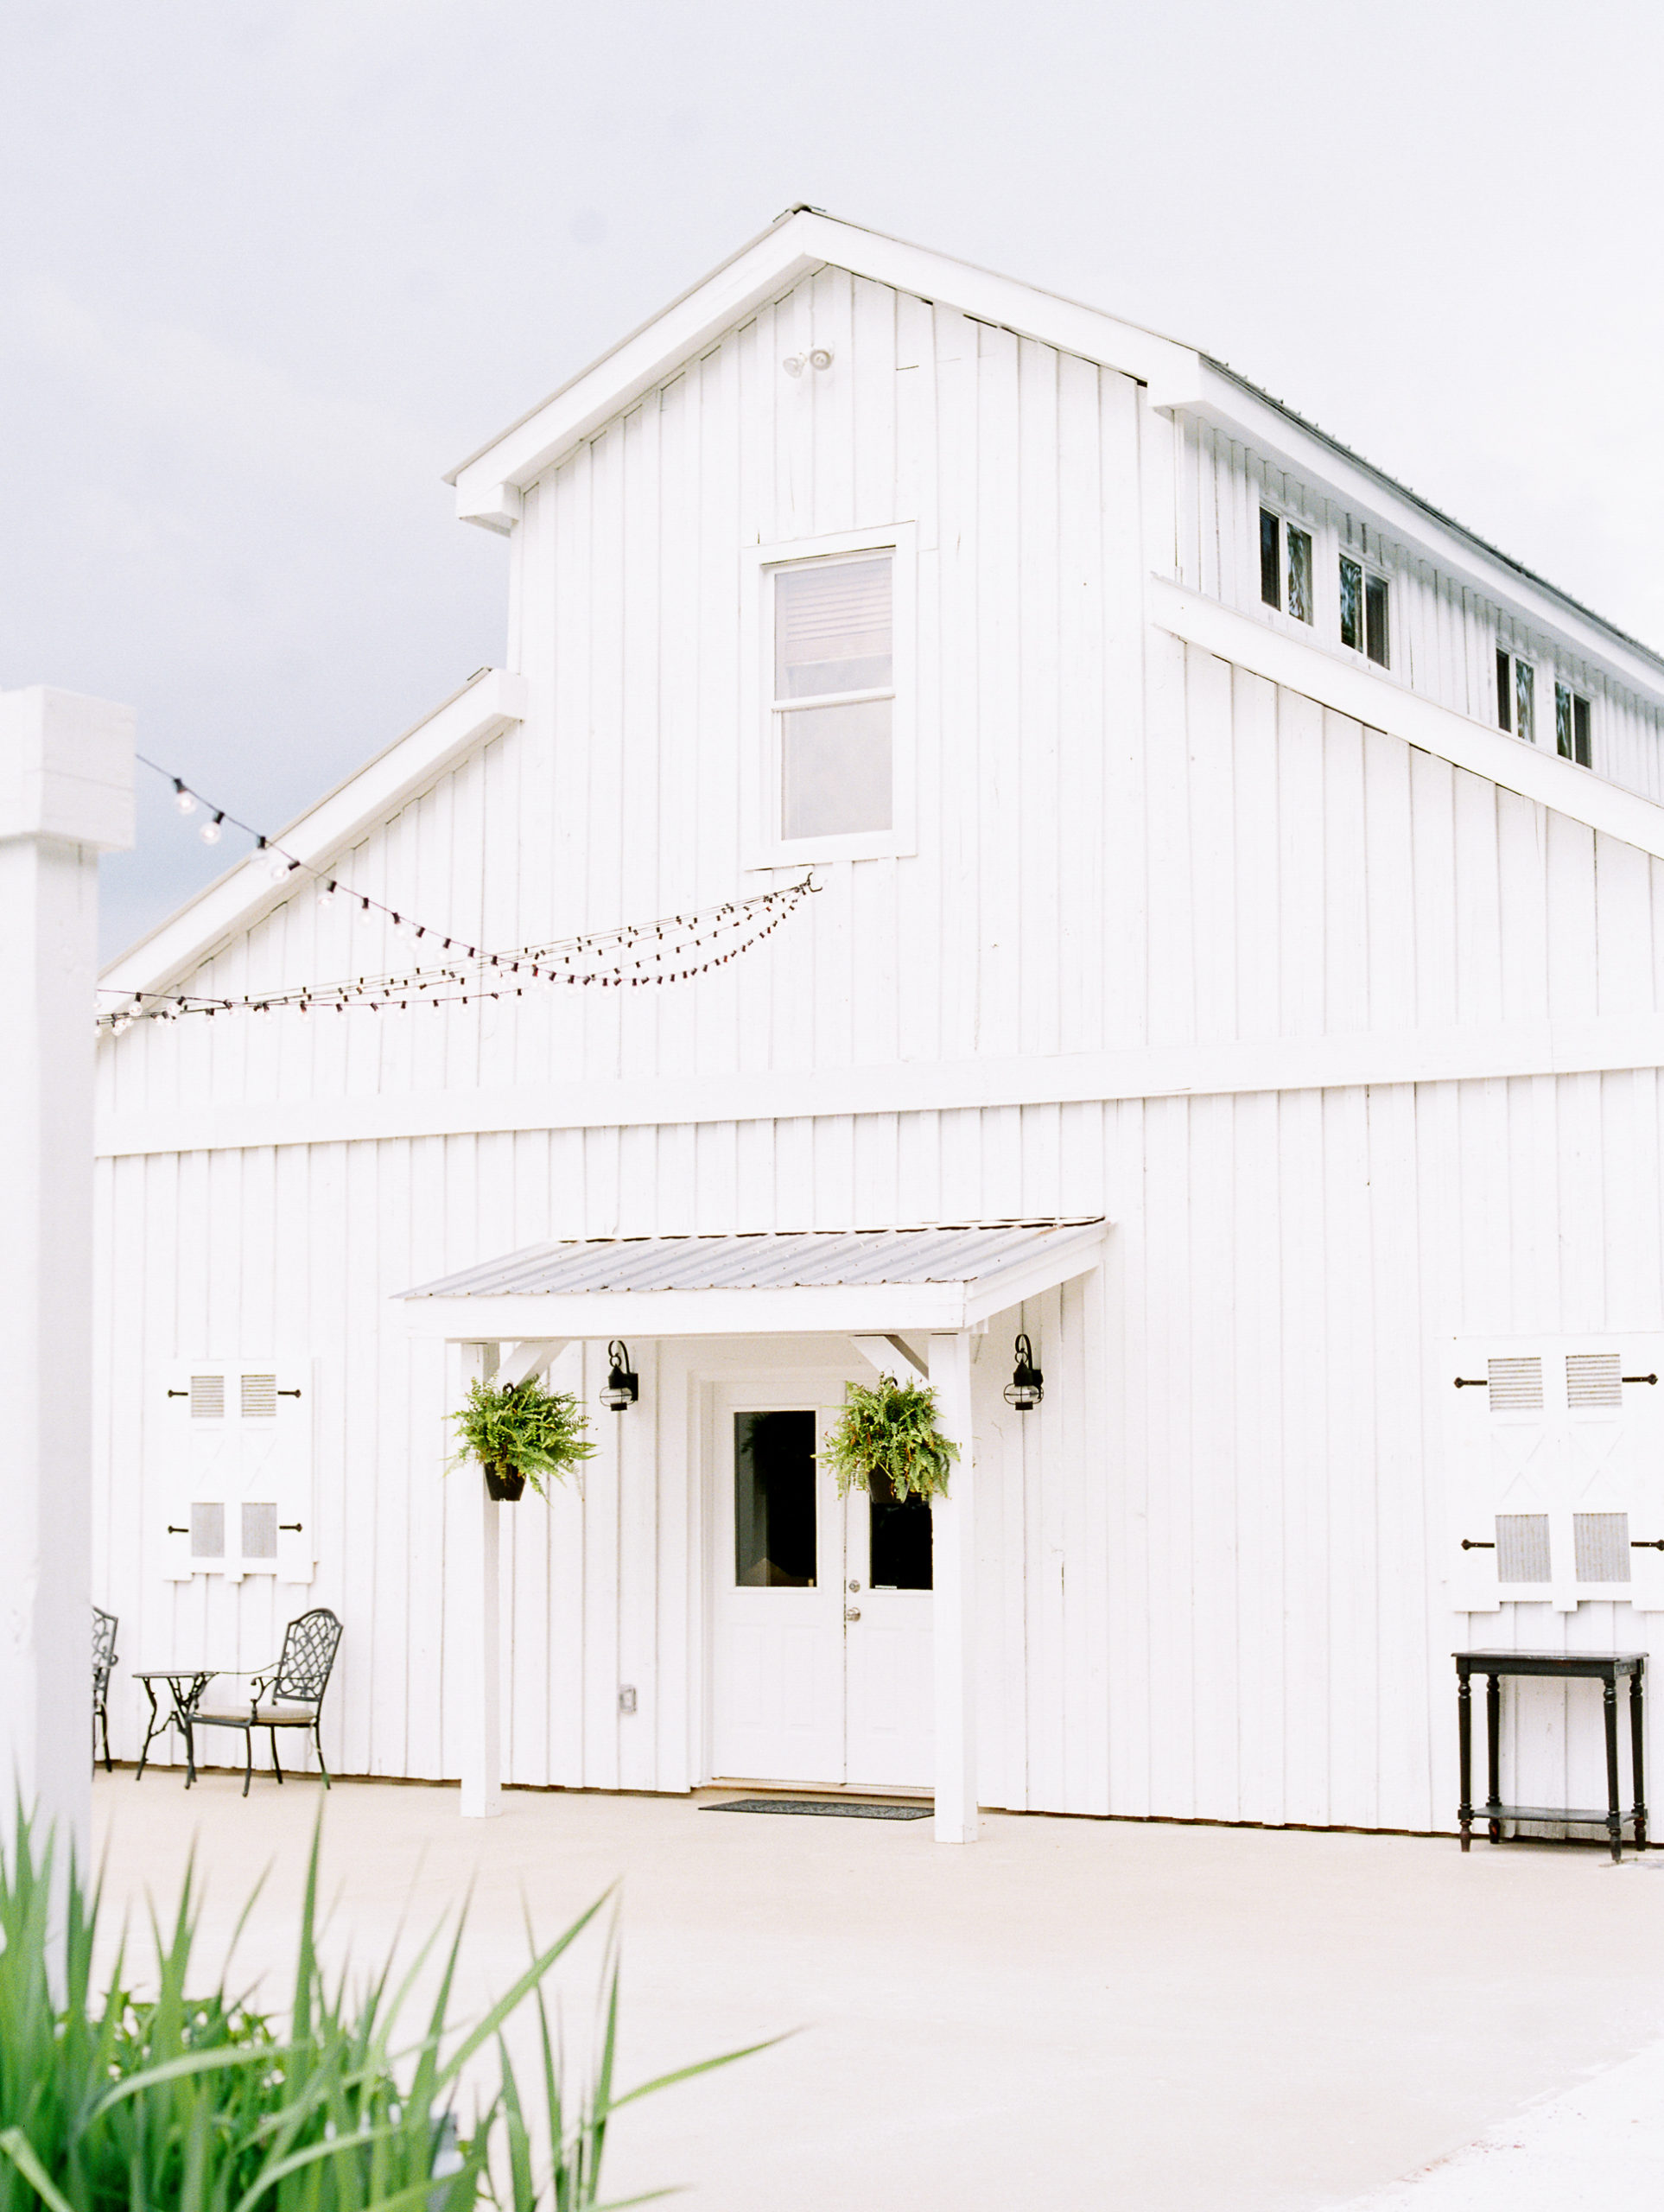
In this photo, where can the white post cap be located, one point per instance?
(66, 768)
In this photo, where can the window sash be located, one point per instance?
(1525, 701)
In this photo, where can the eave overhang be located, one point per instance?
(956, 1278)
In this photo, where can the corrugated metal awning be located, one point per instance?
(942, 1277)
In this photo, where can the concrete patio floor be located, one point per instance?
(1071, 2013)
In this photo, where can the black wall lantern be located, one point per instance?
(623, 1388)
(1028, 1385)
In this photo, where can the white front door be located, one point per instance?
(821, 1608)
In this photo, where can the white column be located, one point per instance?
(65, 794)
(481, 1635)
(953, 1606)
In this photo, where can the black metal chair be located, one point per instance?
(289, 1695)
(104, 1659)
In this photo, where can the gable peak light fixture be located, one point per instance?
(1028, 1385)
(623, 1388)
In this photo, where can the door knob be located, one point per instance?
(852, 1612)
(853, 1585)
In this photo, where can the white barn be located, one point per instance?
(1236, 957)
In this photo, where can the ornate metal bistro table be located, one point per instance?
(1607, 1667)
(184, 1685)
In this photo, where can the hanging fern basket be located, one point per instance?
(519, 1433)
(888, 1437)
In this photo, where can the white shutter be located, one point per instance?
(236, 1496)
(1554, 1465)
(1614, 1485)
(195, 1444)
(1499, 1444)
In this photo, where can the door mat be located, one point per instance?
(840, 1808)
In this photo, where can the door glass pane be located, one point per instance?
(835, 773)
(1351, 581)
(1562, 722)
(1580, 723)
(774, 1500)
(900, 1557)
(1504, 718)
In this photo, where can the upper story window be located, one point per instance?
(1285, 565)
(1363, 615)
(1572, 727)
(1516, 696)
(834, 695)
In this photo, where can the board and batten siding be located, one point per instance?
(1209, 1579)
(1445, 632)
(1210, 1582)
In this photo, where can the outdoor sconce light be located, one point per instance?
(1028, 1385)
(623, 1388)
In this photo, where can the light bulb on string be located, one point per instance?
(184, 801)
(210, 832)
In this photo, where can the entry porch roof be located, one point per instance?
(940, 1278)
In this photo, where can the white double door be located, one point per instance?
(821, 1606)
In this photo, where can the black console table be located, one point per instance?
(1606, 1667)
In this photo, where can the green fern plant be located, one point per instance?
(521, 1429)
(888, 1434)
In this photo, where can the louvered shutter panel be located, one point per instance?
(1614, 1485)
(197, 1447)
(1500, 1544)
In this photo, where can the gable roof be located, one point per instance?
(488, 704)
(491, 481)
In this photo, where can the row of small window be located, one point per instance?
(1286, 582)
(1516, 709)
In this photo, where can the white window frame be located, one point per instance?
(1372, 571)
(1569, 685)
(1511, 729)
(765, 848)
(1288, 519)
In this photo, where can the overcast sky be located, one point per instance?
(266, 270)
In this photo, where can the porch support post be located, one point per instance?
(481, 1639)
(65, 794)
(953, 1610)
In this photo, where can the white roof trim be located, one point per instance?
(1345, 684)
(489, 483)
(486, 706)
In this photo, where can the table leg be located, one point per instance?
(182, 1715)
(1637, 1734)
(1464, 1743)
(1614, 1817)
(1493, 1757)
(152, 1728)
